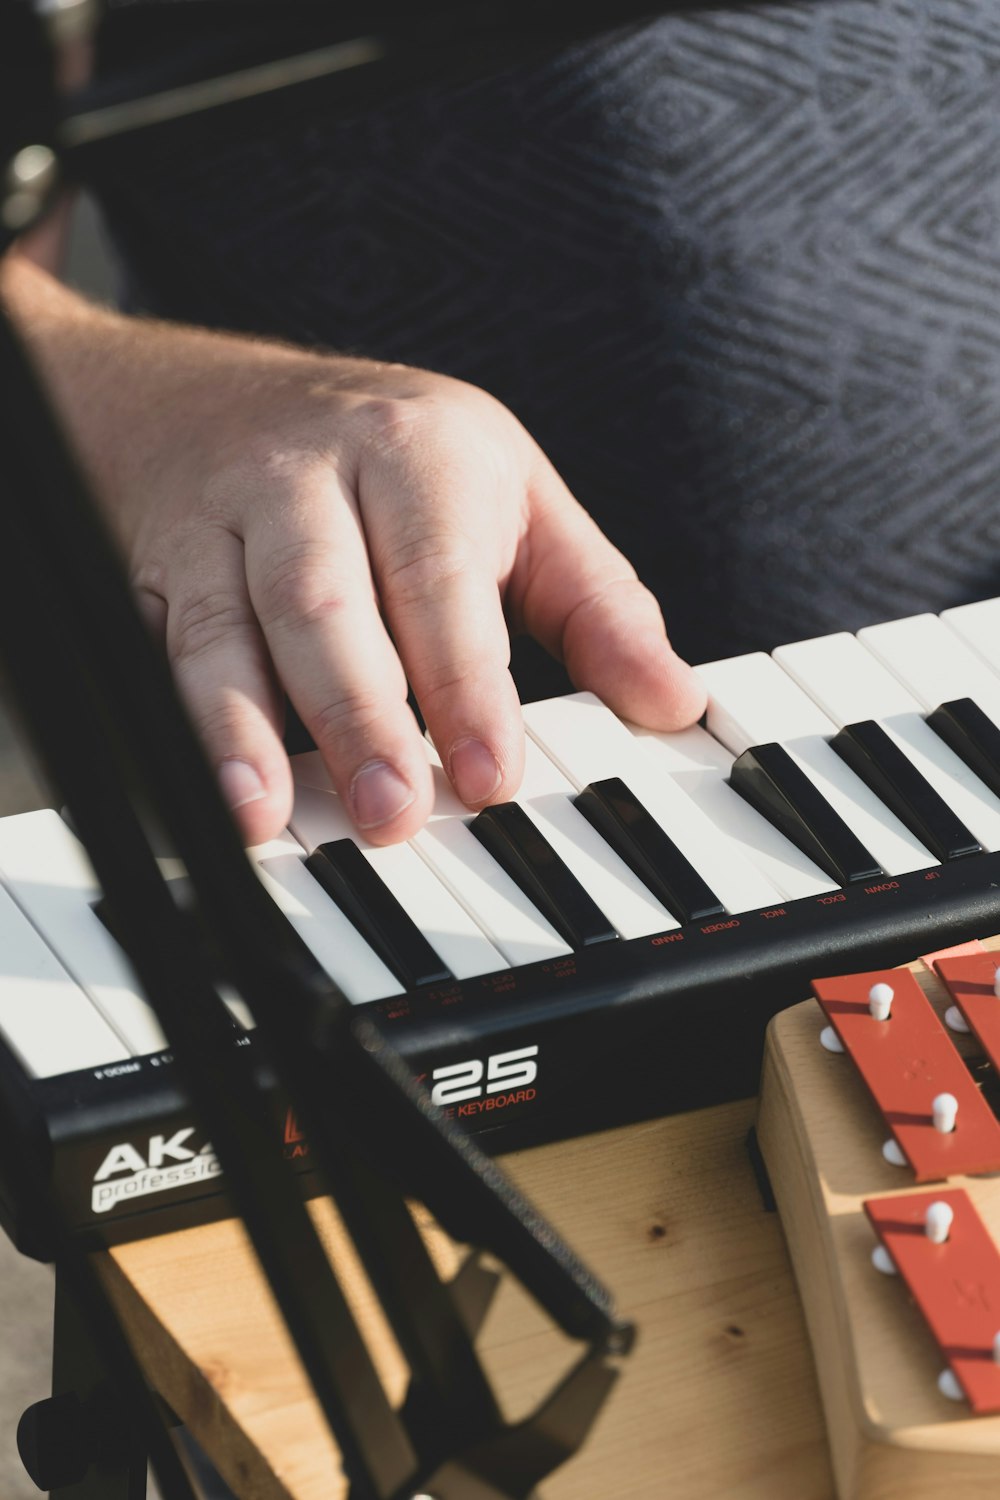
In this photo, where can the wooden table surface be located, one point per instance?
(718, 1402)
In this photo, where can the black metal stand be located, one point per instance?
(131, 771)
(77, 1443)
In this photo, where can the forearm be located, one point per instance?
(62, 332)
(140, 397)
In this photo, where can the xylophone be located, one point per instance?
(882, 1143)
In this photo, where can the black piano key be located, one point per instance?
(770, 780)
(367, 901)
(532, 863)
(972, 735)
(638, 839)
(895, 780)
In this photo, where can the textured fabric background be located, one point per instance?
(737, 270)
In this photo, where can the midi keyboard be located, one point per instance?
(608, 947)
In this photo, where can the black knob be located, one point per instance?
(54, 1442)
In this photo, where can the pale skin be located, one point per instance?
(339, 526)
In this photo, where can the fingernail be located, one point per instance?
(474, 771)
(240, 783)
(379, 794)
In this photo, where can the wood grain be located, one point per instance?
(717, 1403)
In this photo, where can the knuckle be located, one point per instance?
(394, 421)
(201, 624)
(222, 724)
(149, 576)
(272, 475)
(437, 407)
(445, 675)
(354, 714)
(618, 596)
(300, 587)
(424, 567)
(443, 680)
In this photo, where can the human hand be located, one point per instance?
(339, 526)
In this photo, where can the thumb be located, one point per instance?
(582, 600)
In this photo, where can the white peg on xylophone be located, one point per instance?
(830, 1040)
(996, 983)
(944, 1111)
(893, 1154)
(949, 1386)
(883, 1261)
(880, 998)
(954, 1019)
(938, 1221)
(996, 1348)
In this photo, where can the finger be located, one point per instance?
(438, 583)
(153, 608)
(583, 601)
(311, 588)
(222, 669)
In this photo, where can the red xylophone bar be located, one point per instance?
(956, 1284)
(970, 982)
(906, 1061)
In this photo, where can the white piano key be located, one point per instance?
(545, 794)
(845, 680)
(753, 702)
(979, 627)
(700, 766)
(934, 662)
(850, 684)
(511, 921)
(237, 1008)
(47, 1019)
(335, 942)
(319, 817)
(46, 870)
(588, 743)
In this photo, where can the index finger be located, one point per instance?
(584, 602)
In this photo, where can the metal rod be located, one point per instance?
(89, 126)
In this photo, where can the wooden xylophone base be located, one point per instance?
(891, 1432)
